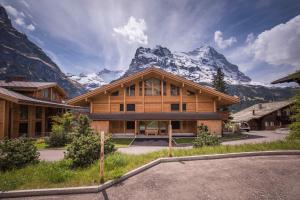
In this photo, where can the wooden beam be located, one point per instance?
(196, 102)
(124, 100)
(170, 138)
(215, 105)
(124, 126)
(162, 94)
(180, 100)
(43, 121)
(91, 107)
(102, 158)
(143, 92)
(109, 104)
(135, 127)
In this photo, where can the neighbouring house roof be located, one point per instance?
(156, 116)
(30, 85)
(260, 110)
(295, 77)
(18, 98)
(225, 98)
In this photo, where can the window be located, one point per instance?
(130, 124)
(130, 107)
(165, 88)
(175, 124)
(38, 113)
(271, 123)
(152, 87)
(190, 93)
(45, 93)
(23, 112)
(23, 128)
(184, 107)
(121, 107)
(174, 90)
(38, 128)
(266, 124)
(175, 107)
(130, 91)
(114, 94)
(141, 88)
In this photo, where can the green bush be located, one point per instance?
(85, 149)
(58, 137)
(204, 138)
(295, 126)
(17, 153)
(83, 125)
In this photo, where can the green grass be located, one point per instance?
(59, 174)
(40, 145)
(122, 142)
(233, 136)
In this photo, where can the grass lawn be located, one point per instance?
(40, 145)
(188, 140)
(59, 174)
(122, 142)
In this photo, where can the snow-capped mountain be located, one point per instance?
(21, 57)
(93, 80)
(198, 65)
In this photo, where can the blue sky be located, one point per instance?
(261, 37)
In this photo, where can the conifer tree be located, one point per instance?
(218, 81)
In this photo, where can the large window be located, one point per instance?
(130, 91)
(130, 107)
(184, 107)
(175, 107)
(141, 88)
(165, 88)
(130, 124)
(175, 124)
(152, 87)
(175, 90)
(23, 112)
(46, 93)
(121, 107)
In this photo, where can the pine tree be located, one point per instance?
(219, 83)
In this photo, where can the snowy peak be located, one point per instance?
(198, 65)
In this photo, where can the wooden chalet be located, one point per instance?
(145, 102)
(266, 116)
(26, 108)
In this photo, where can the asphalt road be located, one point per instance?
(265, 177)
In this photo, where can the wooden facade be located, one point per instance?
(154, 92)
(27, 107)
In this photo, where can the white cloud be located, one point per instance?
(223, 43)
(11, 10)
(134, 31)
(19, 18)
(279, 45)
(30, 27)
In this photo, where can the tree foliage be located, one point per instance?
(204, 138)
(218, 81)
(295, 126)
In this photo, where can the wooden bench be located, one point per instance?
(151, 131)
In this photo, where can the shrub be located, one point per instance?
(17, 153)
(58, 137)
(85, 149)
(204, 138)
(295, 126)
(83, 126)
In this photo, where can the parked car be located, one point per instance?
(244, 126)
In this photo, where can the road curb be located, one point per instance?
(99, 188)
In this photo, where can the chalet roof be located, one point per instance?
(29, 85)
(295, 77)
(156, 70)
(260, 110)
(156, 116)
(18, 98)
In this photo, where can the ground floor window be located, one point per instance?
(130, 107)
(23, 129)
(38, 128)
(175, 124)
(130, 124)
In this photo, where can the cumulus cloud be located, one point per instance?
(223, 43)
(19, 17)
(133, 31)
(279, 45)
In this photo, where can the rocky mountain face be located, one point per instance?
(198, 65)
(20, 57)
(94, 80)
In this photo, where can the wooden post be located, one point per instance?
(196, 102)
(102, 158)
(180, 105)
(135, 127)
(215, 106)
(162, 94)
(143, 92)
(124, 99)
(109, 104)
(170, 139)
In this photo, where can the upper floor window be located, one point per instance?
(175, 107)
(165, 88)
(121, 107)
(152, 87)
(23, 112)
(184, 107)
(130, 107)
(130, 90)
(175, 91)
(116, 93)
(46, 93)
(190, 93)
(141, 88)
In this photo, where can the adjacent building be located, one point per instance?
(146, 102)
(26, 108)
(265, 116)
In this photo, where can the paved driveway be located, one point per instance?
(265, 177)
(52, 154)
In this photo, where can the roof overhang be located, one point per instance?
(129, 116)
